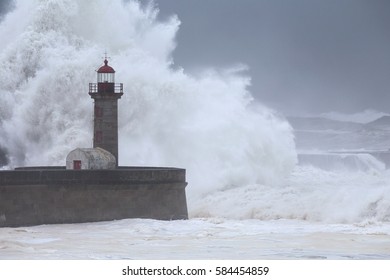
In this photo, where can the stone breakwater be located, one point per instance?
(52, 195)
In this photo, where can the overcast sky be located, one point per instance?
(305, 56)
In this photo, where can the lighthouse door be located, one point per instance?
(77, 164)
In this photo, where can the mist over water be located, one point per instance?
(240, 156)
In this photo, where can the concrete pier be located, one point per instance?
(51, 195)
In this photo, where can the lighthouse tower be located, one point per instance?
(106, 94)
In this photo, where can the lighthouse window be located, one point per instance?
(105, 78)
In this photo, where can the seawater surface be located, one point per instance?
(316, 215)
(209, 238)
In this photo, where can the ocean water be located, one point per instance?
(316, 215)
(248, 197)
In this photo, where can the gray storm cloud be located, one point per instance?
(304, 56)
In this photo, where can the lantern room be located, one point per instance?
(106, 74)
(105, 82)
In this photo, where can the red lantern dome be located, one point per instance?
(105, 68)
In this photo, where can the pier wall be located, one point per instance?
(33, 196)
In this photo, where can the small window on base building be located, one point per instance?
(77, 164)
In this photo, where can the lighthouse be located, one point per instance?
(105, 94)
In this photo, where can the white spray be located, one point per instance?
(208, 124)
